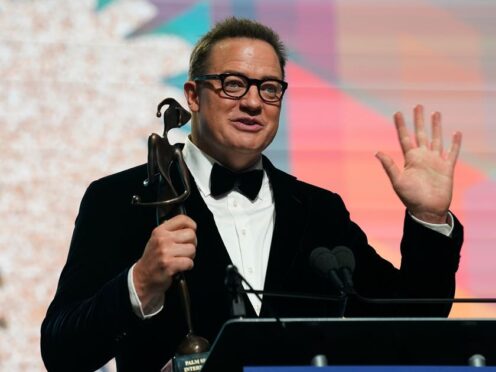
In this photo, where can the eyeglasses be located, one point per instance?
(237, 85)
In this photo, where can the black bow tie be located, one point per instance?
(223, 180)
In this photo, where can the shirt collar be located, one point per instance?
(200, 165)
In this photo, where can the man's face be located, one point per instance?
(235, 131)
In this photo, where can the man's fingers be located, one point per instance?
(418, 120)
(182, 250)
(178, 265)
(179, 229)
(168, 262)
(403, 135)
(180, 221)
(165, 270)
(185, 236)
(162, 236)
(437, 138)
(456, 144)
(389, 166)
(421, 136)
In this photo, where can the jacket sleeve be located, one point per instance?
(91, 312)
(428, 267)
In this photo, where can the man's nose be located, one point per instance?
(251, 99)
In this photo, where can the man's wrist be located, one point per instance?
(442, 228)
(152, 307)
(431, 217)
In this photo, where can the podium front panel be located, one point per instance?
(370, 369)
(356, 341)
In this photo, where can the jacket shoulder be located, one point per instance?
(116, 189)
(299, 187)
(131, 176)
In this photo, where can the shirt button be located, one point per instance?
(235, 203)
(243, 232)
(250, 270)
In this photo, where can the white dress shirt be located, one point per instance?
(245, 226)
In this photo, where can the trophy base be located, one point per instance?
(189, 363)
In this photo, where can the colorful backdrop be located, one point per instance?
(80, 81)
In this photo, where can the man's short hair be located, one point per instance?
(229, 28)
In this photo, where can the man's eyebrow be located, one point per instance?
(265, 77)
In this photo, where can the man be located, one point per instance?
(116, 296)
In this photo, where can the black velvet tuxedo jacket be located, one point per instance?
(91, 320)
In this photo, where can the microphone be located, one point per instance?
(346, 267)
(325, 265)
(234, 287)
(234, 283)
(337, 266)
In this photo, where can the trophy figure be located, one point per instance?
(164, 158)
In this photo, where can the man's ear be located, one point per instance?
(191, 94)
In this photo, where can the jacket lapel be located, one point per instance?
(290, 217)
(212, 256)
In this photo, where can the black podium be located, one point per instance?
(356, 341)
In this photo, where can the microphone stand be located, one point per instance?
(293, 295)
(232, 271)
(342, 304)
(392, 301)
(338, 268)
(233, 282)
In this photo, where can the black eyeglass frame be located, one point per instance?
(257, 82)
